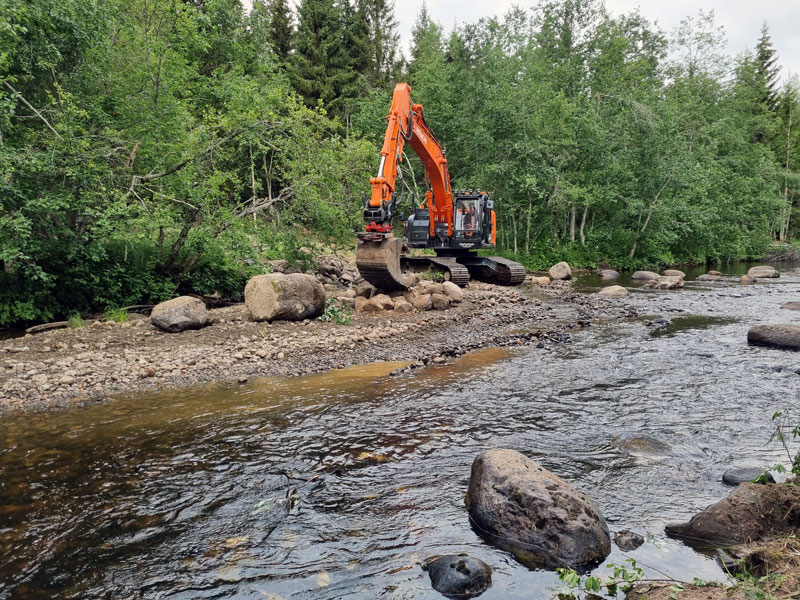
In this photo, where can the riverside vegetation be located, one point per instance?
(150, 148)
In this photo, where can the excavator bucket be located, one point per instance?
(378, 261)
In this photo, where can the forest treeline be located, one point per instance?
(150, 147)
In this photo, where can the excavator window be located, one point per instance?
(468, 215)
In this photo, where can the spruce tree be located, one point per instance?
(426, 37)
(767, 68)
(280, 28)
(383, 37)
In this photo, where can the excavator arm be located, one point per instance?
(407, 124)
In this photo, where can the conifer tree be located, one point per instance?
(383, 39)
(767, 68)
(280, 28)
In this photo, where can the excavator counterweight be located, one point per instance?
(454, 224)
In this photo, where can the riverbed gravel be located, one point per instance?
(70, 367)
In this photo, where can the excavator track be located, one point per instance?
(495, 269)
(451, 269)
(508, 271)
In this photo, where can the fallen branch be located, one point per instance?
(29, 105)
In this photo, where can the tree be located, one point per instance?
(767, 69)
(280, 28)
(384, 40)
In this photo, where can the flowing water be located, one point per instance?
(339, 485)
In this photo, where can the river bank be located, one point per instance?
(70, 367)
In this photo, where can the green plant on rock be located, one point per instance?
(622, 579)
(335, 313)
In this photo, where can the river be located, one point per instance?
(338, 485)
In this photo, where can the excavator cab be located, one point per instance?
(472, 226)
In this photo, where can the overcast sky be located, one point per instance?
(741, 19)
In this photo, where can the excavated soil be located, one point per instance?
(70, 367)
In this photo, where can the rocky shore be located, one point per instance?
(70, 367)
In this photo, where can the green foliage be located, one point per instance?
(149, 148)
(622, 579)
(334, 313)
(786, 426)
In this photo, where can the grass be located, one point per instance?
(117, 315)
(76, 321)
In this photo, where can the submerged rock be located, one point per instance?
(179, 314)
(791, 306)
(538, 517)
(627, 540)
(459, 576)
(608, 274)
(640, 443)
(560, 270)
(777, 336)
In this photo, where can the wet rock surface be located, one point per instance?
(459, 576)
(749, 513)
(777, 336)
(532, 513)
(739, 475)
(628, 540)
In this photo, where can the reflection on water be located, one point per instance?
(338, 485)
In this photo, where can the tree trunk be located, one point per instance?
(514, 225)
(649, 214)
(572, 212)
(787, 204)
(528, 228)
(583, 224)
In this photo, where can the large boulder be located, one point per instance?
(747, 279)
(763, 272)
(459, 576)
(290, 297)
(560, 270)
(402, 306)
(614, 291)
(665, 283)
(538, 517)
(778, 336)
(440, 301)
(673, 273)
(740, 475)
(452, 291)
(751, 512)
(429, 287)
(791, 305)
(179, 314)
(422, 302)
(608, 274)
(644, 275)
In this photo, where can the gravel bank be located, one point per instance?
(69, 367)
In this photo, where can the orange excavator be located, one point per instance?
(454, 224)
